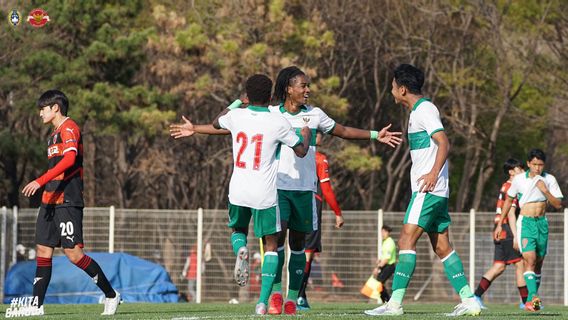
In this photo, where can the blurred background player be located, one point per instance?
(386, 264)
(313, 239)
(257, 135)
(60, 218)
(506, 250)
(534, 189)
(189, 272)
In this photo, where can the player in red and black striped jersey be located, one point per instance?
(313, 239)
(506, 250)
(60, 219)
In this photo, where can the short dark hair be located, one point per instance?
(387, 228)
(52, 97)
(410, 77)
(259, 89)
(536, 153)
(283, 80)
(511, 164)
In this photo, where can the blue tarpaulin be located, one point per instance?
(136, 279)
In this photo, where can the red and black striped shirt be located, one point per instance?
(66, 189)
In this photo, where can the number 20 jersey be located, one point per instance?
(257, 136)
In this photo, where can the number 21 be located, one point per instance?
(257, 141)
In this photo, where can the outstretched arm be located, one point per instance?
(187, 128)
(385, 136)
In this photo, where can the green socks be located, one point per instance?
(537, 277)
(296, 268)
(269, 268)
(238, 240)
(402, 274)
(456, 275)
(277, 286)
(530, 279)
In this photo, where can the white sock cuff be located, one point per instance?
(303, 251)
(538, 275)
(529, 273)
(281, 248)
(449, 255)
(407, 252)
(270, 253)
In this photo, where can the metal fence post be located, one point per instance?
(471, 248)
(380, 215)
(199, 253)
(4, 213)
(111, 230)
(14, 234)
(566, 256)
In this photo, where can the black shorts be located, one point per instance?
(60, 227)
(313, 239)
(386, 272)
(504, 252)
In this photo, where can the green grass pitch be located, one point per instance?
(186, 311)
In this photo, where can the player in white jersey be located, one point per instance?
(428, 208)
(297, 178)
(534, 190)
(257, 136)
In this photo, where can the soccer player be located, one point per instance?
(533, 189)
(387, 263)
(428, 208)
(60, 219)
(506, 251)
(257, 135)
(313, 239)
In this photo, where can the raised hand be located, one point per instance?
(182, 130)
(392, 139)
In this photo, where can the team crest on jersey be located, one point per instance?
(306, 120)
(38, 18)
(15, 17)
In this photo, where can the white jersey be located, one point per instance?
(257, 135)
(295, 173)
(423, 123)
(524, 188)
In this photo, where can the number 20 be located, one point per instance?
(257, 141)
(66, 228)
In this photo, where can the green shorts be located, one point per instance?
(429, 212)
(266, 221)
(533, 235)
(298, 208)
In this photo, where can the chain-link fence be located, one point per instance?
(349, 254)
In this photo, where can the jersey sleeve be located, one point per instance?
(326, 124)
(287, 135)
(514, 188)
(70, 136)
(554, 188)
(322, 168)
(225, 121)
(429, 118)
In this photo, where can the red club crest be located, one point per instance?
(38, 18)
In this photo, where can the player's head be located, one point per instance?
(292, 84)
(535, 161)
(407, 80)
(386, 231)
(259, 89)
(512, 167)
(319, 136)
(51, 103)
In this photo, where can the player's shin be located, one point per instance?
(277, 286)
(238, 240)
(269, 269)
(402, 274)
(296, 272)
(456, 275)
(92, 268)
(42, 278)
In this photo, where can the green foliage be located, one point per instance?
(357, 159)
